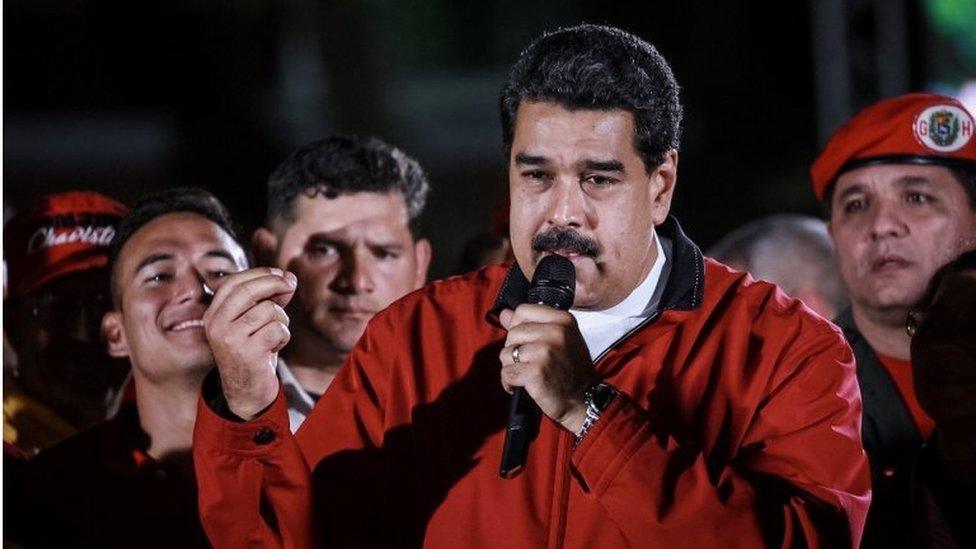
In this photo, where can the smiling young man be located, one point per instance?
(899, 183)
(129, 481)
(342, 216)
(685, 404)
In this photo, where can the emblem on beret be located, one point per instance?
(943, 128)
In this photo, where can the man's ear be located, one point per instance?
(264, 245)
(114, 335)
(423, 252)
(662, 185)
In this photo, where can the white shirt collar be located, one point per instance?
(601, 329)
(638, 303)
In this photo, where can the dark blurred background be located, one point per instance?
(126, 97)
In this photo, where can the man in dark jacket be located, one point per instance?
(899, 183)
(128, 482)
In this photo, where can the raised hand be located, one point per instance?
(246, 326)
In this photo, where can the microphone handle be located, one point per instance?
(523, 426)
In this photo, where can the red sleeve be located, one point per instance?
(800, 476)
(243, 469)
(257, 480)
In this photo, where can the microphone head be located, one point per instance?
(554, 282)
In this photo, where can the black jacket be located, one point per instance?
(100, 489)
(892, 442)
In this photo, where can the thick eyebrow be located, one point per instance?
(386, 246)
(153, 258)
(593, 165)
(612, 165)
(326, 238)
(221, 253)
(165, 256)
(530, 160)
(904, 181)
(913, 180)
(853, 189)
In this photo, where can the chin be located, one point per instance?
(197, 360)
(341, 339)
(892, 297)
(345, 343)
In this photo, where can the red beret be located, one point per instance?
(916, 128)
(60, 234)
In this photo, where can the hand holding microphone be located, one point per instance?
(544, 358)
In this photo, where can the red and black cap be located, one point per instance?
(60, 234)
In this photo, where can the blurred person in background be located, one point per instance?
(57, 261)
(943, 351)
(898, 182)
(490, 247)
(792, 251)
(128, 482)
(343, 216)
(484, 249)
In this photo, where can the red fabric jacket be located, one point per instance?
(738, 424)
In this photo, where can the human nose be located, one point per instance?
(356, 272)
(194, 287)
(887, 222)
(568, 205)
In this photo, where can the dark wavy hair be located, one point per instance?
(599, 67)
(176, 200)
(346, 164)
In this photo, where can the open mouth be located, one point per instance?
(573, 255)
(565, 253)
(187, 325)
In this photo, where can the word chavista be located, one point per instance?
(49, 237)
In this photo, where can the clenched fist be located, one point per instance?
(554, 364)
(246, 326)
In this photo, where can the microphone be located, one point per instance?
(553, 284)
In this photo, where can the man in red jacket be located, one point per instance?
(685, 403)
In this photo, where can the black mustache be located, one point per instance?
(565, 239)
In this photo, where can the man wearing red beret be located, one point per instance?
(57, 255)
(899, 184)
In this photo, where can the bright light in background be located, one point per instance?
(951, 55)
(955, 20)
(967, 95)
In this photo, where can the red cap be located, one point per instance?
(916, 128)
(60, 234)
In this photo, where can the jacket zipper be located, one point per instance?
(651, 318)
(557, 533)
